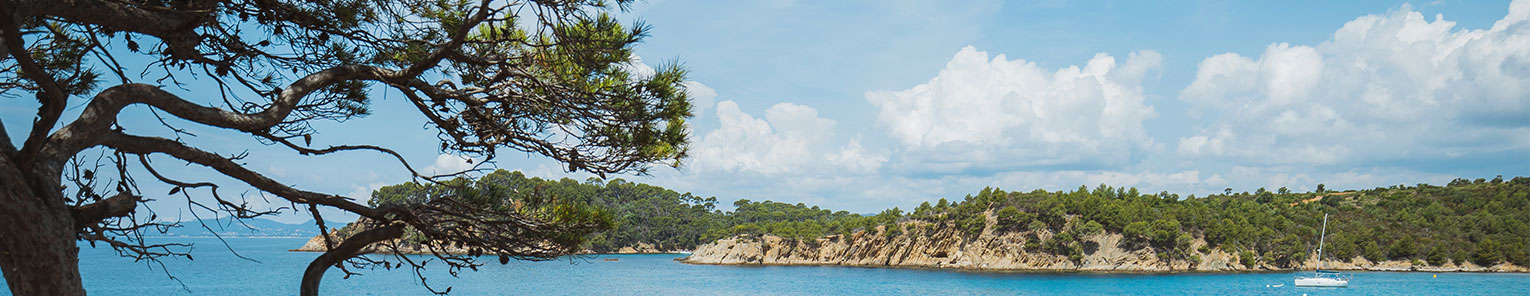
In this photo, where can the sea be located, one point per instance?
(272, 270)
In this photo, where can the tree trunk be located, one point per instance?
(37, 248)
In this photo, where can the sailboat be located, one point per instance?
(1320, 277)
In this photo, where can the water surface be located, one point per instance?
(217, 272)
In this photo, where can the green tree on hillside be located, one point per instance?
(1479, 222)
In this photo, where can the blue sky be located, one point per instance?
(865, 105)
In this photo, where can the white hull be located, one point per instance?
(1321, 282)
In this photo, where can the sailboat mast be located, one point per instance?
(1321, 237)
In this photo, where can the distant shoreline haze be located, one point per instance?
(257, 227)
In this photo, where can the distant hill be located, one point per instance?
(257, 227)
(1478, 224)
(1467, 225)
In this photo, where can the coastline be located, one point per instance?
(676, 252)
(939, 248)
(1086, 271)
(224, 237)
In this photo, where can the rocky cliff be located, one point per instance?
(926, 245)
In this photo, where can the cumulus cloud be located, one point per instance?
(789, 139)
(1389, 86)
(449, 164)
(637, 67)
(1003, 114)
(855, 158)
(702, 97)
(1384, 88)
(364, 193)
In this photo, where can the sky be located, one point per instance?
(867, 105)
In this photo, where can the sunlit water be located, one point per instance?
(217, 272)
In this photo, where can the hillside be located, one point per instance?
(644, 218)
(1468, 225)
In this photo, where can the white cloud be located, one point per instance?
(992, 121)
(641, 70)
(789, 153)
(449, 164)
(1385, 87)
(791, 139)
(364, 193)
(1002, 114)
(855, 158)
(702, 98)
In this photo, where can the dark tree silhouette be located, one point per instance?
(547, 77)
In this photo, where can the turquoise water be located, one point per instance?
(217, 272)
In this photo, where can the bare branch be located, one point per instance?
(346, 250)
(119, 205)
(147, 145)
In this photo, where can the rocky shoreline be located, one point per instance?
(924, 245)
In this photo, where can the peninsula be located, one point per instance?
(1466, 225)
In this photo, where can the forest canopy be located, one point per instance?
(1480, 221)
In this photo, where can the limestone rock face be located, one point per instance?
(926, 245)
(1217, 260)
